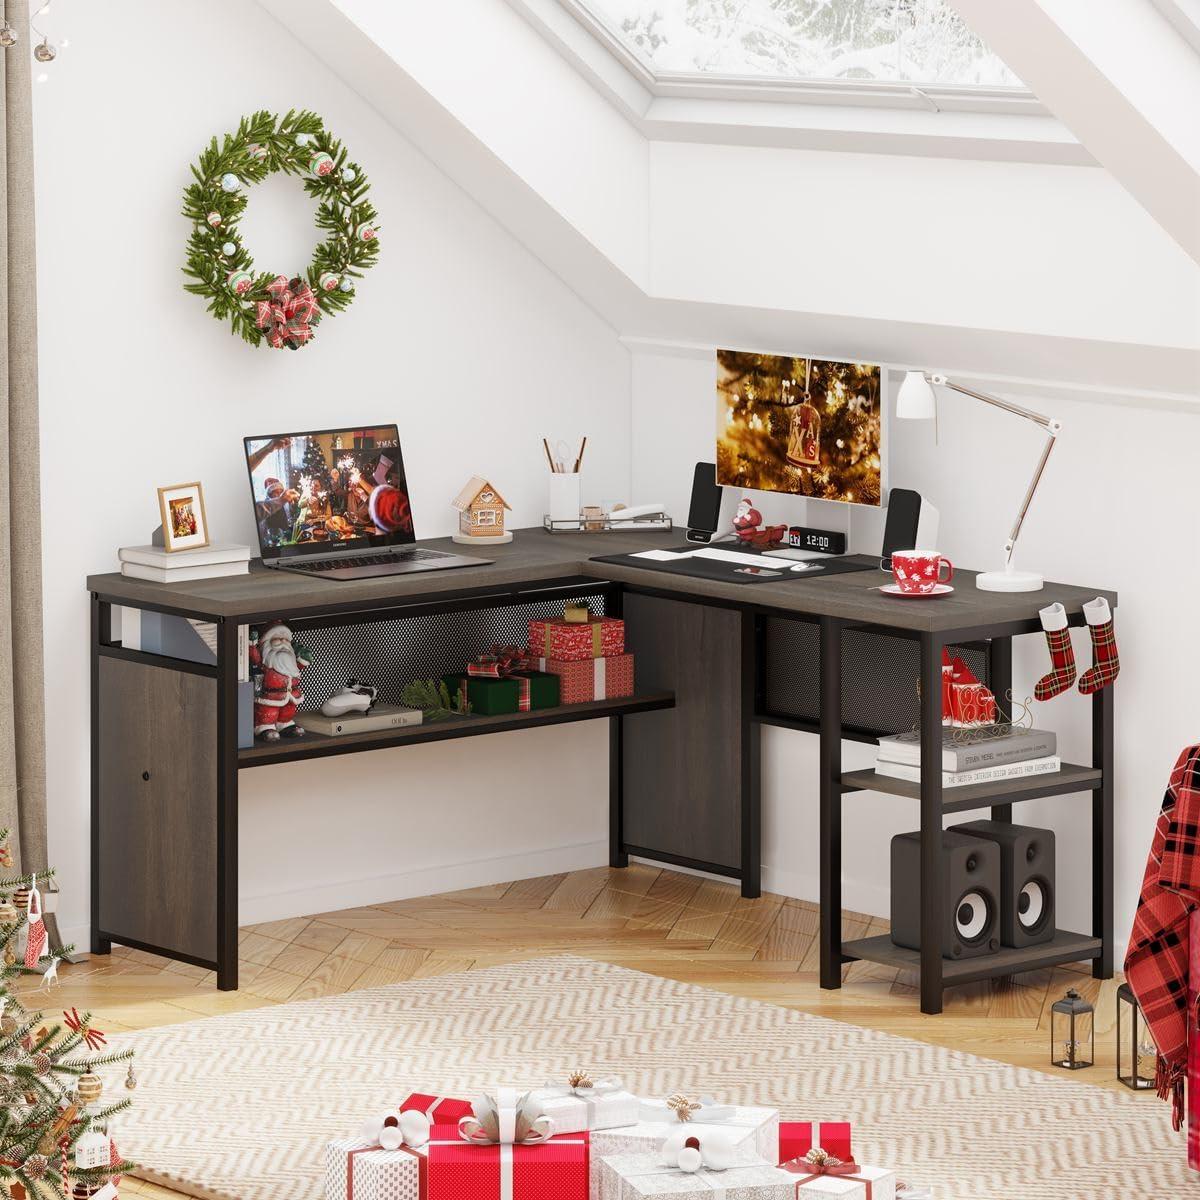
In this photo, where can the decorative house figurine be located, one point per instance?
(480, 513)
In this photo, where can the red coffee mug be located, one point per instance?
(919, 571)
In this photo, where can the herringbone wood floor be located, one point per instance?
(662, 922)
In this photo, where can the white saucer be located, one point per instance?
(893, 589)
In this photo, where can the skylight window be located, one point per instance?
(884, 41)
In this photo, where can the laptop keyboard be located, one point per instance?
(416, 554)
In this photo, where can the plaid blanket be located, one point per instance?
(1193, 1075)
(1157, 963)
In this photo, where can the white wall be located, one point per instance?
(459, 335)
(1117, 509)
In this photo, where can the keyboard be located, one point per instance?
(415, 554)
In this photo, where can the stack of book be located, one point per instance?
(210, 562)
(977, 756)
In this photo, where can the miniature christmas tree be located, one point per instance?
(53, 1139)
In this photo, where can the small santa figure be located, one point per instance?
(277, 662)
(746, 520)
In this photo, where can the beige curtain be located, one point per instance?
(22, 746)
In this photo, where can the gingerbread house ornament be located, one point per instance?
(480, 513)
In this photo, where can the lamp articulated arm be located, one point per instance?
(1049, 424)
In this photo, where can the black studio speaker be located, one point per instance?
(704, 512)
(970, 917)
(1027, 877)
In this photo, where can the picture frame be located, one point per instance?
(184, 521)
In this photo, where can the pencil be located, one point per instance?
(579, 460)
(549, 459)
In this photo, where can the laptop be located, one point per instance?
(334, 503)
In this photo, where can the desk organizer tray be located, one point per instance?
(727, 572)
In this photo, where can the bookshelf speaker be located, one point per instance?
(1026, 879)
(970, 920)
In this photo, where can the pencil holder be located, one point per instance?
(564, 496)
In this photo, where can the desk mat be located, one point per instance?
(726, 572)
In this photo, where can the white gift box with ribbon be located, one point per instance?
(356, 1169)
(752, 1132)
(632, 1176)
(604, 1104)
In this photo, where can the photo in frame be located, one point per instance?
(184, 524)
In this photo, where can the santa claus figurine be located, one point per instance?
(276, 662)
(746, 520)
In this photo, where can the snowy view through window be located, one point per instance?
(912, 41)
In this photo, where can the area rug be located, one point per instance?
(240, 1106)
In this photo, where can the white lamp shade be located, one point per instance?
(915, 401)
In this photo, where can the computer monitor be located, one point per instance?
(334, 489)
(808, 426)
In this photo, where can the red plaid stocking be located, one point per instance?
(1105, 663)
(1062, 657)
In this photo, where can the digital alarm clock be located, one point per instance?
(824, 541)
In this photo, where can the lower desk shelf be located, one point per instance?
(315, 745)
(1069, 778)
(1063, 948)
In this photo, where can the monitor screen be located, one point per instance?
(334, 489)
(807, 426)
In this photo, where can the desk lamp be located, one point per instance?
(916, 401)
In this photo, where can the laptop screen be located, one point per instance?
(329, 491)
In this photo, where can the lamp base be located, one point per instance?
(1009, 581)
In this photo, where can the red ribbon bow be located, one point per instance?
(289, 315)
(94, 1037)
(817, 1163)
(500, 662)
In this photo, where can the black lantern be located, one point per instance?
(1072, 1032)
(1137, 1055)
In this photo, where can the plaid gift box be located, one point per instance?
(574, 641)
(556, 1169)
(593, 678)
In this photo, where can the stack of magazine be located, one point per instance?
(985, 755)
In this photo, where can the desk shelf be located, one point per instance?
(1065, 947)
(316, 745)
(1070, 778)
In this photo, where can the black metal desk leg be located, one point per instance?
(1102, 831)
(932, 872)
(616, 793)
(227, 806)
(1000, 682)
(831, 803)
(100, 632)
(751, 859)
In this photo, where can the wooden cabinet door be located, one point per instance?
(157, 835)
(682, 792)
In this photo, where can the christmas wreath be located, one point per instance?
(265, 306)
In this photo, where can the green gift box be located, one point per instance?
(487, 697)
(544, 689)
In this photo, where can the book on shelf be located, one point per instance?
(971, 751)
(1047, 765)
(183, 574)
(157, 556)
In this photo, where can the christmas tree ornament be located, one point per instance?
(41, 1063)
(35, 930)
(8, 36)
(90, 1087)
(1062, 657)
(1106, 665)
(91, 1150)
(34, 1167)
(44, 52)
(346, 286)
(281, 310)
(130, 1078)
(8, 913)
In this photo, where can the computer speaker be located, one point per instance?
(704, 512)
(969, 914)
(1027, 877)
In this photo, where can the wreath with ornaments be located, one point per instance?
(265, 306)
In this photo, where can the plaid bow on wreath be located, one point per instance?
(289, 315)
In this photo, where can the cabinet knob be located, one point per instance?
(146, 775)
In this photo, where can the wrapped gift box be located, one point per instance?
(591, 1109)
(861, 1183)
(441, 1110)
(593, 678)
(754, 1132)
(520, 692)
(631, 1176)
(358, 1170)
(797, 1138)
(574, 641)
(557, 1169)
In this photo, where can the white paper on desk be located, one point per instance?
(661, 555)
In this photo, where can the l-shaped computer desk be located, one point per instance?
(715, 662)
